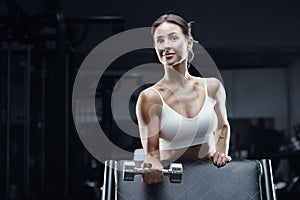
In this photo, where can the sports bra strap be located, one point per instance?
(158, 94)
(205, 87)
(205, 90)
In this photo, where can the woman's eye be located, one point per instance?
(159, 41)
(174, 38)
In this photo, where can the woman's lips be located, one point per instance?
(168, 55)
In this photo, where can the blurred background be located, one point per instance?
(255, 44)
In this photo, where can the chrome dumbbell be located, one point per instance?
(174, 172)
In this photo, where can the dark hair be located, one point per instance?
(175, 19)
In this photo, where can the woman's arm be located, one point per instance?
(220, 157)
(148, 115)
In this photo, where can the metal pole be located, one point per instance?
(61, 64)
(8, 85)
(27, 124)
(67, 125)
(43, 126)
(268, 180)
(289, 132)
(109, 184)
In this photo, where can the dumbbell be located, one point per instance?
(174, 172)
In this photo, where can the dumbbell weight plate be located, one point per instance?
(128, 170)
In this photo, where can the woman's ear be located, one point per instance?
(190, 43)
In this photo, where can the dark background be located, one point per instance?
(255, 44)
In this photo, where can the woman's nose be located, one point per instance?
(166, 45)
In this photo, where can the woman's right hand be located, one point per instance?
(152, 171)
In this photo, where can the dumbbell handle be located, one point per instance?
(141, 170)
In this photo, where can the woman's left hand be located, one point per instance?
(220, 159)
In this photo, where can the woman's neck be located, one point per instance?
(177, 74)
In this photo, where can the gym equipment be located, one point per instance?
(201, 179)
(174, 172)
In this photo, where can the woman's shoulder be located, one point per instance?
(150, 95)
(213, 85)
(211, 81)
(215, 88)
(148, 100)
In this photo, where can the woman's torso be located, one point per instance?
(187, 120)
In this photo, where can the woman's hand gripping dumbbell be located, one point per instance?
(174, 172)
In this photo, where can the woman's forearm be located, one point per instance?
(223, 140)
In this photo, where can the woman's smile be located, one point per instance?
(168, 55)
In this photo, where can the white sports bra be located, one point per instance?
(177, 131)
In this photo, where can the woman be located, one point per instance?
(181, 116)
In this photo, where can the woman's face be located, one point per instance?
(171, 45)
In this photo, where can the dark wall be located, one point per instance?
(217, 23)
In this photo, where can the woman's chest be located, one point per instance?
(186, 103)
